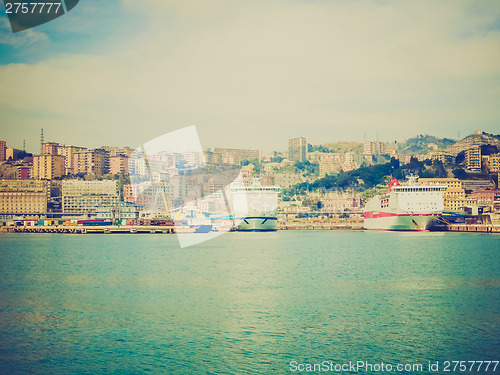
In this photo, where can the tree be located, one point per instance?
(257, 166)
(460, 173)
(307, 166)
(415, 164)
(460, 158)
(489, 149)
(439, 169)
(394, 163)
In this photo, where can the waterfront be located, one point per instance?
(245, 302)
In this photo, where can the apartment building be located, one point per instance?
(486, 197)
(373, 148)
(297, 149)
(495, 163)
(91, 162)
(231, 155)
(85, 197)
(67, 151)
(3, 150)
(48, 166)
(473, 159)
(118, 164)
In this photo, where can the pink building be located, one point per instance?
(128, 194)
(486, 197)
(118, 164)
(91, 162)
(50, 148)
(23, 173)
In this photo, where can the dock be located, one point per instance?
(320, 226)
(470, 228)
(105, 229)
(157, 229)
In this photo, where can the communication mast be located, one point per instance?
(41, 142)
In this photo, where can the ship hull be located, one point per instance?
(258, 224)
(401, 222)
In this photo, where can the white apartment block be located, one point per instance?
(86, 197)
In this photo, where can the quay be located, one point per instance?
(470, 228)
(162, 229)
(82, 229)
(320, 226)
(312, 223)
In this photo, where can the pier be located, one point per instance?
(295, 225)
(83, 229)
(320, 226)
(470, 228)
(315, 223)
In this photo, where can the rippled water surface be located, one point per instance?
(245, 302)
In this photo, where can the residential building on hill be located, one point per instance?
(68, 151)
(374, 148)
(473, 159)
(297, 149)
(3, 150)
(118, 164)
(91, 162)
(494, 163)
(234, 156)
(48, 166)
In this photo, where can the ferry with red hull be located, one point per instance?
(411, 207)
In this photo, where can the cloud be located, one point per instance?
(253, 74)
(27, 38)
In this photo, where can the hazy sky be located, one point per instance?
(252, 73)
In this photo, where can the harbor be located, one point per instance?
(81, 229)
(250, 187)
(470, 228)
(292, 225)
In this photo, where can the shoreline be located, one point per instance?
(156, 229)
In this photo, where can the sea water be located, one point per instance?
(248, 303)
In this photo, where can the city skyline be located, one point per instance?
(284, 149)
(247, 74)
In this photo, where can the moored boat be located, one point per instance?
(412, 207)
(259, 204)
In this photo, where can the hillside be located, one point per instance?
(344, 147)
(423, 144)
(7, 171)
(479, 138)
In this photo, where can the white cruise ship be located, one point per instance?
(259, 203)
(412, 207)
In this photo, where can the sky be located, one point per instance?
(252, 74)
